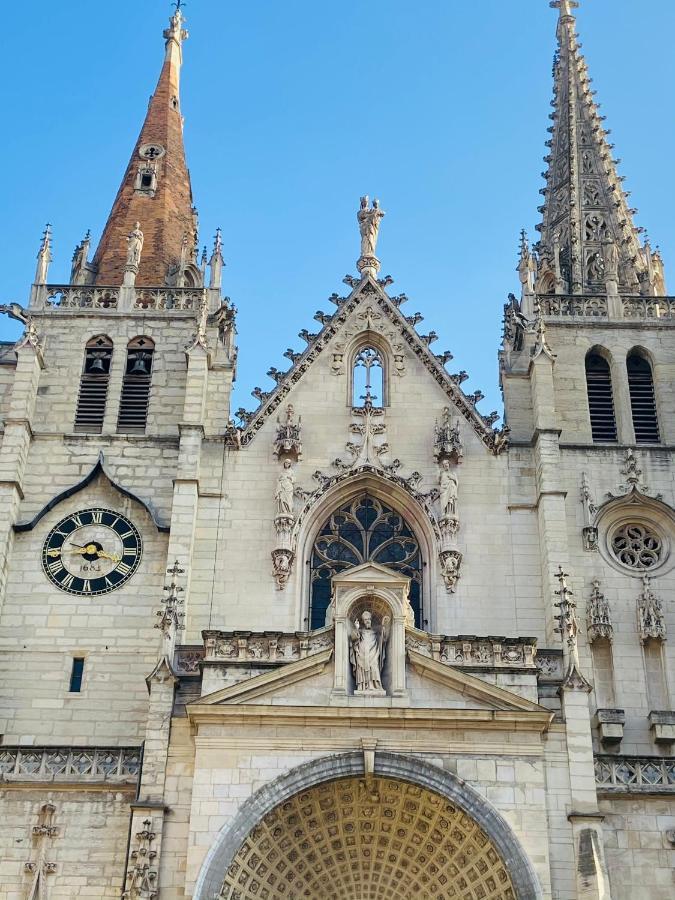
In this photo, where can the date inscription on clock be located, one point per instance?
(93, 551)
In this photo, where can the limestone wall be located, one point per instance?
(88, 849)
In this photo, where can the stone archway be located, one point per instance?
(413, 831)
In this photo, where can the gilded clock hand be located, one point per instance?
(111, 556)
(53, 553)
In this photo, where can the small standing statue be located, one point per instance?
(448, 483)
(369, 218)
(285, 490)
(135, 246)
(367, 652)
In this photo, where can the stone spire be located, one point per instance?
(155, 190)
(588, 242)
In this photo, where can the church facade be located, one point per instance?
(310, 651)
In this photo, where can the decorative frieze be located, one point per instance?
(264, 647)
(60, 296)
(70, 764)
(187, 659)
(488, 652)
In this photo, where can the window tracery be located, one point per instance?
(637, 546)
(362, 530)
(368, 377)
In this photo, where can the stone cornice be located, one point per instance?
(400, 718)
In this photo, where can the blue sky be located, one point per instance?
(294, 109)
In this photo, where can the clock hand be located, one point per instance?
(53, 553)
(111, 556)
(78, 549)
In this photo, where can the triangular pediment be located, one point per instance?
(482, 694)
(370, 573)
(269, 682)
(369, 302)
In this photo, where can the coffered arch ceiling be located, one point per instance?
(384, 840)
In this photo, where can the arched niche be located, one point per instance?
(384, 595)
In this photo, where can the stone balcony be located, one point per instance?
(635, 775)
(68, 765)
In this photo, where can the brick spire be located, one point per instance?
(155, 190)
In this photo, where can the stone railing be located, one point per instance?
(264, 647)
(62, 296)
(574, 307)
(648, 307)
(635, 774)
(119, 765)
(169, 298)
(487, 652)
(559, 306)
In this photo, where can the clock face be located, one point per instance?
(93, 551)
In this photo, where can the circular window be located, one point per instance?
(151, 151)
(637, 545)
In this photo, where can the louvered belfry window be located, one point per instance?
(94, 385)
(133, 415)
(600, 400)
(642, 400)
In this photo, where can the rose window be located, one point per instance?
(637, 546)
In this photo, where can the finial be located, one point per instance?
(44, 256)
(565, 7)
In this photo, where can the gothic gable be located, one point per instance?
(369, 309)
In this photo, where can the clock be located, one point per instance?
(93, 551)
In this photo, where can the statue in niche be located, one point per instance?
(367, 652)
(135, 246)
(369, 225)
(611, 258)
(448, 483)
(285, 490)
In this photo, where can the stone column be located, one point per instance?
(16, 442)
(148, 811)
(186, 483)
(550, 494)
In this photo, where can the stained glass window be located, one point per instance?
(363, 530)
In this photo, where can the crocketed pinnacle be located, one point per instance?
(155, 190)
(586, 209)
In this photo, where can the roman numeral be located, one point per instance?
(123, 569)
(86, 587)
(126, 535)
(55, 567)
(67, 582)
(77, 520)
(97, 517)
(108, 583)
(130, 551)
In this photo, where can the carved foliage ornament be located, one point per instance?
(141, 883)
(651, 618)
(598, 616)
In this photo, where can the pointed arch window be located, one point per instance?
(600, 399)
(135, 399)
(368, 383)
(363, 530)
(642, 399)
(93, 392)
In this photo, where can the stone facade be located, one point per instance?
(358, 642)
